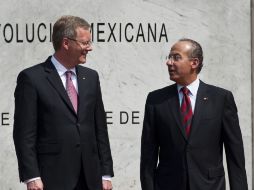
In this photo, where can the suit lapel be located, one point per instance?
(175, 109)
(83, 89)
(201, 99)
(56, 82)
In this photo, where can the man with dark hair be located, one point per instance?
(185, 127)
(60, 132)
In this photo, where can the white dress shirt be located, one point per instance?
(61, 71)
(193, 88)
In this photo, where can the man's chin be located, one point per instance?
(82, 61)
(173, 78)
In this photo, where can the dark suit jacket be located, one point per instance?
(51, 140)
(196, 161)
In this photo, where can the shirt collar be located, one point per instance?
(60, 68)
(193, 87)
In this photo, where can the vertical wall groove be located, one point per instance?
(252, 80)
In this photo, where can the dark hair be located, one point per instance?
(196, 52)
(66, 27)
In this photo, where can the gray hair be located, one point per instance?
(66, 27)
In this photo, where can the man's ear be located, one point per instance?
(195, 63)
(65, 43)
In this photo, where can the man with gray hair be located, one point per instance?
(60, 132)
(185, 127)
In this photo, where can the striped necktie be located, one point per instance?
(186, 110)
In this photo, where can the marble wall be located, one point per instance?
(131, 41)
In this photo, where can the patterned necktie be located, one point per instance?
(71, 91)
(186, 110)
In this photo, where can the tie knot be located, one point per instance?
(68, 74)
(185, 90)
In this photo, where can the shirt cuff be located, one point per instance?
(106, 177)
(32, 179)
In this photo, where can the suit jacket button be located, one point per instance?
(78, 145)
(78, 125)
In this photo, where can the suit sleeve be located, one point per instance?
(149, 149)
(234, 145)
(25, 127)
(102, 135)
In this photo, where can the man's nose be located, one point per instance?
(169, 62)
(89, 48)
